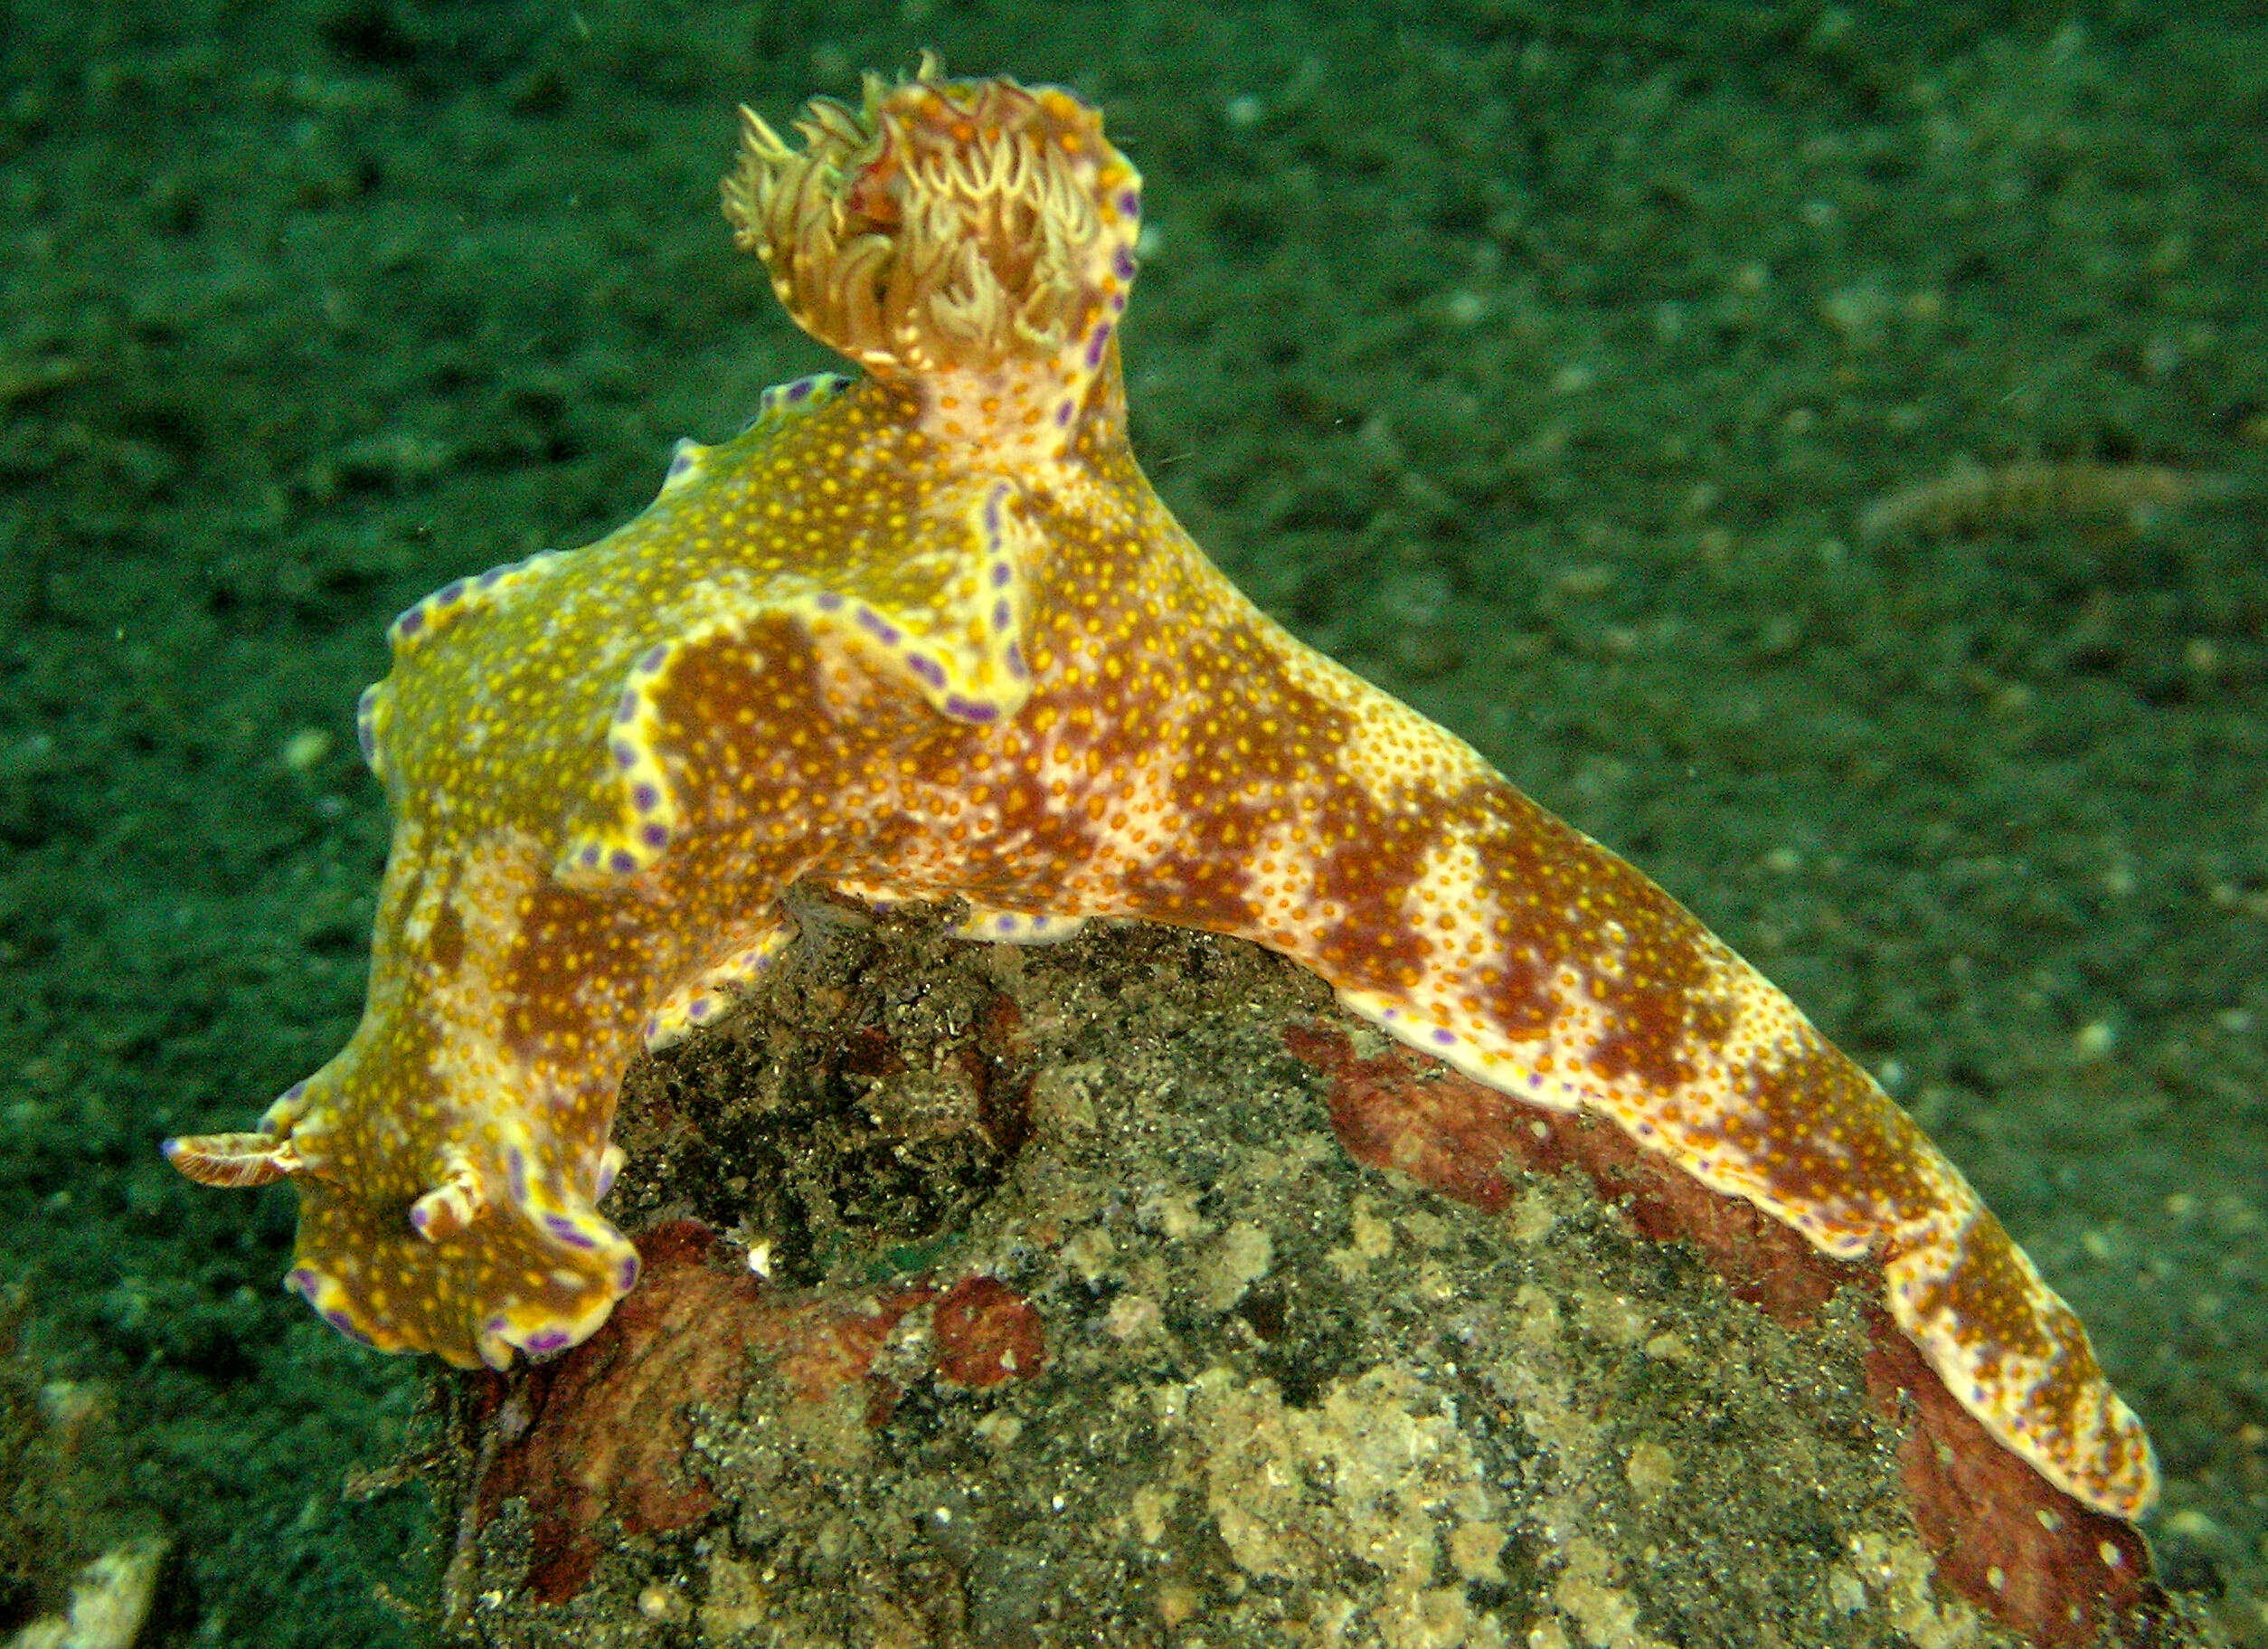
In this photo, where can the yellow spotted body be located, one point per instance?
(930, 633)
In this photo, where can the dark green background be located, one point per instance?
(1536, 360)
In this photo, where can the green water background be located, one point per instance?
(1538, 360)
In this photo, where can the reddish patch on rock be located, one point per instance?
(2017, 1546)
(1003, 1084)
(608, 1432)
(1416, 1116)
(1390, 1114)
(986, 1332)
(601, 1432)
(2003, 1536)
(820, 1346)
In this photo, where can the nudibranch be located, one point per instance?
(927, 633)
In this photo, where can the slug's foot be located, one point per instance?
(705, 999)
(1016, 927)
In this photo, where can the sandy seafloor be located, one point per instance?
(1539, 361)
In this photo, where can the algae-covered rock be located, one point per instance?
(1124, 1291)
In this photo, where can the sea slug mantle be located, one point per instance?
(928, 633)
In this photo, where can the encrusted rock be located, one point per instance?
(1125, 1292)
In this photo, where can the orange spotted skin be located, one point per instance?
(930, 633)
